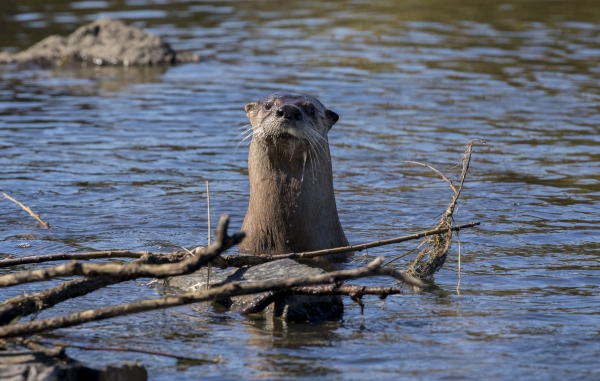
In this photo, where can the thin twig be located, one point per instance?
(241, 260)
(236, 260)
(360, 247)
(208, 206)
(400, 256)
(436, 171)
(467, 159)
(458, 284)
(71, 256)
(208, 211)
(28, 210)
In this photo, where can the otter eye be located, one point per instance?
(311, 109)
(268, 105)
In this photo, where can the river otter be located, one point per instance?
(292, 205)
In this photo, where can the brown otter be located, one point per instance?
(292, 205)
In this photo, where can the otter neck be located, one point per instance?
(292, 202)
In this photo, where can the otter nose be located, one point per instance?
(289, 112)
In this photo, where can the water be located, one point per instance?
(118, 158)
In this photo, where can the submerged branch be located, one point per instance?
(122, 349)
(228, 290)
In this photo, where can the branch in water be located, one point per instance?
(71, 256)
(228, 290)
(354, 291)
(360, 247)
(222, 262)
(25, 305)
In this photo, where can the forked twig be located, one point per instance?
(436, 247)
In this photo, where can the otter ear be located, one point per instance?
(332, 117)
(250, 107)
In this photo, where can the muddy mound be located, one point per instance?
(103, 42)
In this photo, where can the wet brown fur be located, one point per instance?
(292, 204)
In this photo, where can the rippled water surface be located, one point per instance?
(118, 158)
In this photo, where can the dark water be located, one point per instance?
(118, 158)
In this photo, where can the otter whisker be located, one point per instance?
(241, 141)
(247, 137)
(248, 134)
(258, 133)
(313, 151)
(246, 131)
(317, 144)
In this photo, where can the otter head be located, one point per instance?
(295, 122)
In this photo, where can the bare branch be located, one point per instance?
(130, 270)
(236, 260)
(400, 256)
(351, 290)
(360, 247)
(29, 304)
(228, 290)
(71, 256)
